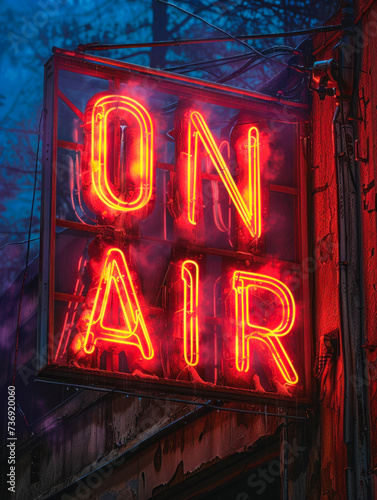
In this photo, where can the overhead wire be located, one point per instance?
(209, 62)
(19, 242)
(242, 42)
(178, 42)
(189, 67)
(27, 251)
(254, 61)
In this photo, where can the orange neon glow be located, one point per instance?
(116, 288)
(105, 110)
(249, 210)
(245, 283)
(217, 213)
(190, 277)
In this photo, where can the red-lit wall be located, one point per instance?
(367, 132)
(326, 242)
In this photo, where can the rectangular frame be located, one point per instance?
(182, 86)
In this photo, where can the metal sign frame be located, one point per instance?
(184, 88)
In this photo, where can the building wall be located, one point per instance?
(325, 288)
(326, 241)
(367, 132)
(106, 446)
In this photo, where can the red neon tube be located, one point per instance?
(190, 277)
(244, 283)
(131, 328)
(249, 210)
(141, 173)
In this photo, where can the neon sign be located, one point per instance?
(137, 189)
(244, 284)
(116, 298)
(121, 282)
(250, 211)
(176, 213)
(190, 277)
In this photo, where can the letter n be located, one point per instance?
(246, 198)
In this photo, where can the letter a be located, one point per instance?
(116, 315)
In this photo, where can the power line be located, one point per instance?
(19, 242)
(213, 26)
(210, 63)
(178, 42)
(27, 250)
(253, 61)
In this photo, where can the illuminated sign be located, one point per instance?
(107, 112)
(190, 276)
(173, 233)
(115, 293)
(244, 285)
(250, 211)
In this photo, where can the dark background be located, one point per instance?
(31, 28)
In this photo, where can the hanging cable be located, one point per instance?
(237, 72)
(27, 250)
(282, 50)
(245, 44)
(254, 61)
(210, 62)
(178, 42)
(189, 67)
(19, 242)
